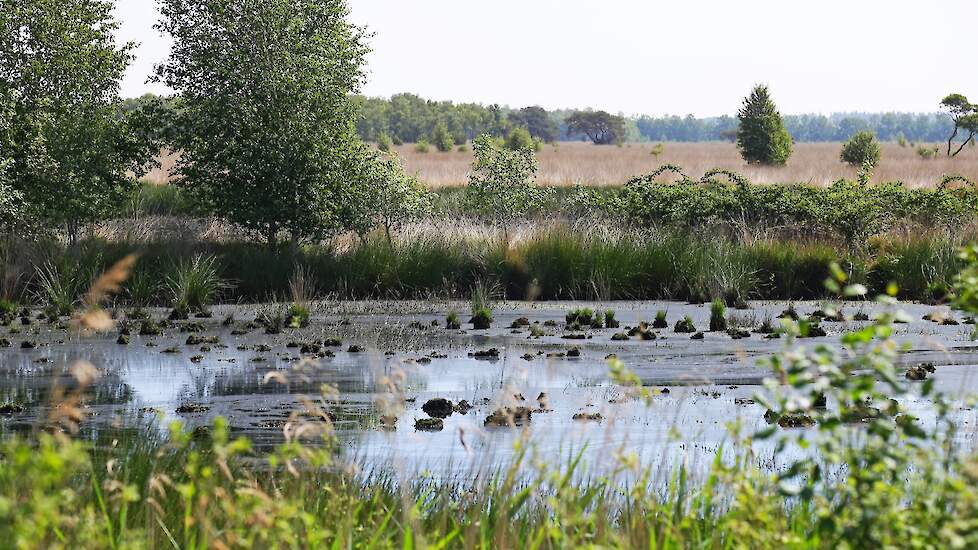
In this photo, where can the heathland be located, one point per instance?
(322, 323)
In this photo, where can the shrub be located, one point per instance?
(297, 316)
(501, 183)
(718, 316)
(422, 146)
(442, 138)
(519, 138)
(861, 149)
(609, 319)
(762, 137)
(926, 152)
(384, 143)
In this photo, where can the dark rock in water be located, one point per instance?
(521, 322)
(28, 344)
(463, 407)
(790, 420)
(789, 313)
(738, 333)
(685, 325)
(697, 336)
(528, 357)
(196, 358)
(187, 408)
(149, 328)
(664, 390)
(171, 350)
(491, 353)
(178, 314)
(192, 327)
(355, 349)
(556, 354)
(123, 340)
(195, 340)
(429, 425)
(820, 401)
(333, 342)
(239, 332)
(919, 372)
(292, 344)
(860, 316)
(619, 336)
(586, 417)
(813, 331)
(574, 336)
(550, 323)
(26, 321)
(11, 408)
(743, 401)
(203, 314)
(574, 352)
(262, 348)
(439, 407)
(641, 331)
(509, 416)
(4, 343)
(310, 347)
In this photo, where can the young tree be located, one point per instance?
(501, 183)
(861, 150)
(965, 117)
(394, 196)
(70, 155)
(268, 137)
(600, 127)
(762, 137)
(520, 138)
(442, 138)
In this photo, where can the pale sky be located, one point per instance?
(650, 57)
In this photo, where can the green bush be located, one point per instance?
(384, 143)
(520, 138)
(442, 138)
(718, 316)
(422, 146)
(862, 149)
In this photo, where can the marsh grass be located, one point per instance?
(541, 261)
(194, 284)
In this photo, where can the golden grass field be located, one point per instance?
(569, 163)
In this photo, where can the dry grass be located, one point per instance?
(569, 163)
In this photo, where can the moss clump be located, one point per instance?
(660, 320)
(481, 318)
(685, 325)
(452, 321)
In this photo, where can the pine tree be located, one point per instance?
(762, 137)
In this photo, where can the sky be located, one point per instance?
(654, 57)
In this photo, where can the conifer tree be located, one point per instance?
(762, 137)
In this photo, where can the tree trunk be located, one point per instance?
(970, 137)
(951, 139)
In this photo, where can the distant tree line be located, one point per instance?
(410, 118)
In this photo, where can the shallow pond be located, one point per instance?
(257, 381)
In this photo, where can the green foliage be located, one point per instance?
(452, 321)
(67, 153)
(151, 199)
(718, 316)
(600, 127)
(519, 138)
(388, 199)
(501, 183)
(297, 316)
(61, 284)
(861, 149)
(964, 114)
(422, 146)
(481, 318)
(384, 143)
(267, 138)
(579, 318)
(194, 284)
(762, 137)
(442, 138)
(537, 122)
(925, 152)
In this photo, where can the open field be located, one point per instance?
(570, 163)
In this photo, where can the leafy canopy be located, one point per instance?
(501, 184)
(600, 127)
(67, 151)
(762, 137)
(861, 149)
(268, 124)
